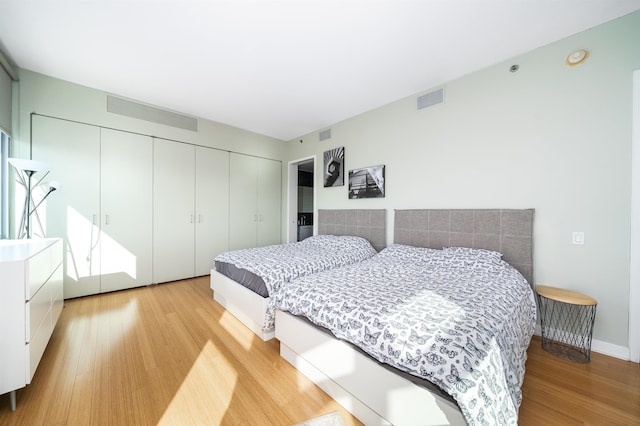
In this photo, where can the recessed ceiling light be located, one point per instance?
(576, 57)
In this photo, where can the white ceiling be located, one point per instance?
(281, 68)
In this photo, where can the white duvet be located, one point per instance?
(460, 318)
(279, 264)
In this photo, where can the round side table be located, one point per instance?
(566, 319)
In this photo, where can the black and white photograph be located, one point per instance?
(334, 167)
(367, 182)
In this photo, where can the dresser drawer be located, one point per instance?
(37, 345)
(40, 266)
(37, 309)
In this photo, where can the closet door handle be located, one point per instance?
(199, 218)
(107, 219)
(93, 220)
(191, 220)
(255, 217)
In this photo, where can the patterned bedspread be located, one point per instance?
(460, 318)
(282, 263)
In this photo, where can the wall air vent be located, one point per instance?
(149, 113)
(430, 99)
(324, 135)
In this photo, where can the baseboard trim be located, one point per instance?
(601, 347)
(610, 349)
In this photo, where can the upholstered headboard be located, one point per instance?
(365, 223)
(507, 231)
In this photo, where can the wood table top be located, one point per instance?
(566, 296)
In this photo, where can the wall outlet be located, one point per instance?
(578, 238)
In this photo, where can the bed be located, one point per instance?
(460, 318)
(241, 279)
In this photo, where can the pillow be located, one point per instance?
(340, 243)
(470, 259)
(406, 253)
(473, 253)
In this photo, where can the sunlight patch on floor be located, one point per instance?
(206, 391)
(237, 330)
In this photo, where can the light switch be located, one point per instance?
(578, 238)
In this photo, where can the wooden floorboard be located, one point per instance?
(605, 391)
(169, 354)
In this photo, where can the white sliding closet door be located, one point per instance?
(72, 151)
(127, 203)
(243, 215)
(173, 209)
(212, 207)
(254, 201)
(269, 201)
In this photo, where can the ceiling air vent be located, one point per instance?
(325, 134)
(149, 113)
(430, 99)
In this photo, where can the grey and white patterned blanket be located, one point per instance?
(281, 263)
(460, 318)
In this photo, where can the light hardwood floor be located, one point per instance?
(169, 354)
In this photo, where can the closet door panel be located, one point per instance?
(173, 210)
(243, 213)
(72, 152)
(127, 203)
(269, 201)
(212, 207)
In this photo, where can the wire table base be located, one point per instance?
(567, 328)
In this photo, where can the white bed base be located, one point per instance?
(249, 307)
(370, 392)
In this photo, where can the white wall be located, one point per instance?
(49, 96)
(551, 137)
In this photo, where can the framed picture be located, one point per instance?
(367, 182)
(334, 167)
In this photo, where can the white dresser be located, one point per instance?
(31, 301)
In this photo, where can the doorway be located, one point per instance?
(302, 199)
(634, 284)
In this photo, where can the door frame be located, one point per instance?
(292, 197)
(634, 275)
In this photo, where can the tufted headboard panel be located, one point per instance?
(508, 231)
(365, 223)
